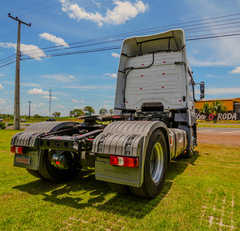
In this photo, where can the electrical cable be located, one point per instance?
(24, 8)
(8, 33)
(67, 13)
(7, 64)
(189, 30)
(8, 57)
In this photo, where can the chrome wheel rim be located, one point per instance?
(156, 162)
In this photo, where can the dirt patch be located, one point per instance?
(232, 140)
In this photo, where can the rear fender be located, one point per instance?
(30, 139)
(115, 141)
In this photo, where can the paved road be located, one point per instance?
(219, 131)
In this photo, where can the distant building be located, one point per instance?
(232, 104)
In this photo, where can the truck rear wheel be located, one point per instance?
(34, 173)
(188, 154)
(154, 167)
(123, 189)
(49, 172)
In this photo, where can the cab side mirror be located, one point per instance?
(202, 90)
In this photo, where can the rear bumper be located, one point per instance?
(30, 160)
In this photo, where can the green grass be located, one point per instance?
(205, 186)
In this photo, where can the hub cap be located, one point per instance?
(156, 162)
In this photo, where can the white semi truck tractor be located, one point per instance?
(154, 122)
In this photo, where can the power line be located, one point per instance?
(8, 33)
(99, 42)
(101, 4)
(7, 57)
(7, 64)
(211, 37)
(102, 40)
(150, 30)
(118, 47)
(24, 8)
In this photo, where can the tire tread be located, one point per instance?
(123, 189)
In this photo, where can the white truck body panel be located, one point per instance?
(169, 47)
(163, 82)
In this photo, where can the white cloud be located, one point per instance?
(41, 104)
(47, 97)
(36, 91)
(91, 87)
(105, 105)
(211, 76)
(235, 71)
(2, 101)
(75, 101)
(112, 75)
(98, 4)
(123, 11)
(5, 93)
(59, 77)
(215, 91)
(1, 86)
(60, 106)
(31, 50)
(115, 55)
(54, 39)
(71, 76)
(30, 84)
(8, 82)
(107, 101)
(2, 75)
(213, 52)
(77, 107)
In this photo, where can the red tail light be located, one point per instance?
(131, 162)
(17, 149)
(116, 117)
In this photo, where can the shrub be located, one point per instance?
(10, 124)
(2, 125)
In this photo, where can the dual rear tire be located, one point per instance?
(154, 169)
(49, 172)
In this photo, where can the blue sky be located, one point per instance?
(89, 79)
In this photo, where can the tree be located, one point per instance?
(71, 113)
(217, 107)
(37, 116)
(76, 112)
(89, 109)
(111, 111)
(103, 111)
(206, 109)
(56, 114)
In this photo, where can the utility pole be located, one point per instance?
(29, 107)
(17, 77)
(50, 97)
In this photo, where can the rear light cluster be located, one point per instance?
(131, 162)
(17, 149)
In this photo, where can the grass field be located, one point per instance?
(202, 193)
